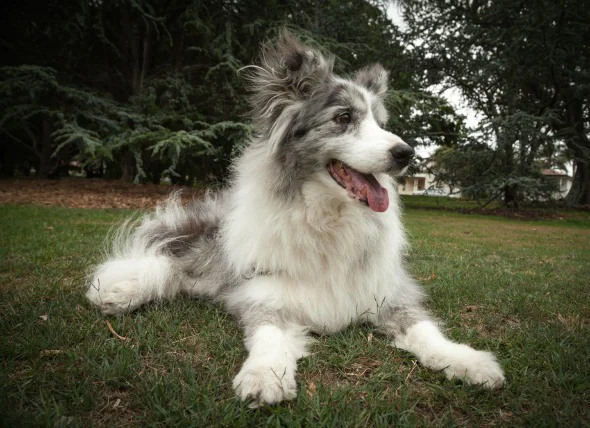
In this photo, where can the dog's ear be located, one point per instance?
(287, 74)
(374, 78)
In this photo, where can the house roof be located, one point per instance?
(554, 173)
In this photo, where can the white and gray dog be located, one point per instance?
(306, 238)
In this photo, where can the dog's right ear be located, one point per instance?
(287, 74)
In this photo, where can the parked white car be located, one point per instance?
(430, 192)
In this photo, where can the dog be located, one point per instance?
(306, 237)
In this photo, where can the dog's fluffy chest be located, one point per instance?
(327, 272)
(325, 302)
(330, 304)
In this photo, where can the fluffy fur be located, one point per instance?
(289, 248)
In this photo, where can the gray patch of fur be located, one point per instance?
(292, 75)
(374, 78)
(287, 74)
(395, 319)
(301, 152)
(250, 317)
(187, 235)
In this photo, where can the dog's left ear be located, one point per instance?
(374, 78)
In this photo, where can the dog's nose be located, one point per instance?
(402, 154)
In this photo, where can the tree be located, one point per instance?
(154, 88)
(519, 64)
(43, 116)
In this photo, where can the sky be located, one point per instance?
(453, 95)
(394, 12)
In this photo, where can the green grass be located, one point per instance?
(535, 211)
(520, 289)
(437, 202)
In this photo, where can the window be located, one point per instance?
(421, 183)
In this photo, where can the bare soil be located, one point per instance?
(88, 193)
(100, 193)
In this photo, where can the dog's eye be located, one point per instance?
(344, 118)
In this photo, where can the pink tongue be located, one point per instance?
(377, 196)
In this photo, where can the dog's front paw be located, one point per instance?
(264, 384)
(476, 368)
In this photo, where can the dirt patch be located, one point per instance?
(115, 407)
(99, 193)
(88, 193)
(573, 322)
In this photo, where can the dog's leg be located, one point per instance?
(268, 374)
(415, 332)
(274, 342)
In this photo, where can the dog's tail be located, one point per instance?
(145, 260)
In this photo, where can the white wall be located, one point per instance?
(419, 182)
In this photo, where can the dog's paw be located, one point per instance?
(115, 299)
(476, 368)
(265, 385)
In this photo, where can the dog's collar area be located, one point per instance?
(253, 273)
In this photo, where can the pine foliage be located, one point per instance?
(152, 89)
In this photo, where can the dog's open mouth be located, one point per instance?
(363, 187)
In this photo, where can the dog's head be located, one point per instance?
(313, 120)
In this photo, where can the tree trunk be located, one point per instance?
(8, 156)
(579, 194)
(178, 46)
(140, 51)
(145, 56)
(128, 167)
(578, 142)
(510, 191)
(317, 16)
(511, 196)
(45, 155)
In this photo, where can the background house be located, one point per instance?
(562, 181)
(421, 181)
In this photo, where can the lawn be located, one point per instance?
(520, 289)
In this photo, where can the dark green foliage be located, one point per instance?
(523, 66)
(476, 170)
(90, 126)
(153, 88)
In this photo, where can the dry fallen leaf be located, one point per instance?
(311, 388)
(65, 420)
(50, 352)
(112, 330)
(429, 278)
